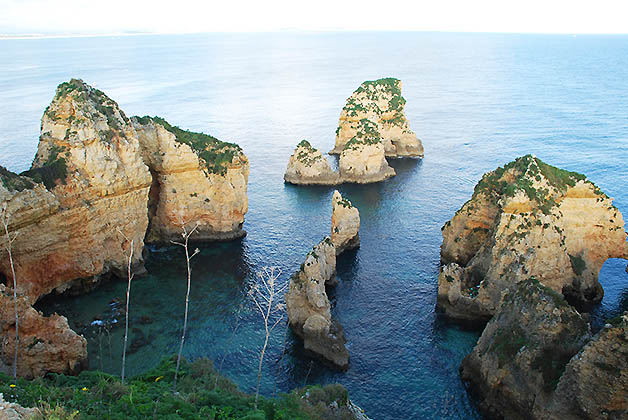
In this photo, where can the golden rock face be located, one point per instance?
(381, 103)
(96, 180)
(184, 192)
(529, 225)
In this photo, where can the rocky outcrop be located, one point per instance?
(527, 219)
(87, 182)
(196, 178)
(308, 306)
(380, 102)
(46, 344)
(307, 166)
(595, 382)
(362, 160)
(523, 351)
(345, 224)
(14, 411)
(85, 199)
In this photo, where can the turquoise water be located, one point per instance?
(477, 101)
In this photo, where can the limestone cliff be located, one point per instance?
(527, 219)
(345, 224)
(307, 166)
(308, 306)
(595, 382)
(46, 344)
(363, 160)
(380, 102)
(196, 178)
(86, 182)
(523, 351)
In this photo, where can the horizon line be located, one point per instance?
(37, 35)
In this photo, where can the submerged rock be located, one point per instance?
(46, 344)
(307, 166)
(527, 219)
(523, 351)
(87, 182)
(308, 306)
(196, 178)
(380, 102)
(345, 224)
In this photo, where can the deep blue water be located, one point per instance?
(477, 101)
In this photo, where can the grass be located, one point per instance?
(54, 169)
(13, 182)
(96, 395)
(215, 154)
(307, 156)
(578, 264)
(374, 90)
(366, 133)
(520, 174)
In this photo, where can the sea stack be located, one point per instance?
(527, 219)
(345, 224)
(85, 201)
(308, 306)
(380, 102)
(363, 160)
(308, 166)
(522, 353)
(196, 178)
(75, 212)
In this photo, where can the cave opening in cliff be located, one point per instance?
(153, 199)
(614, 279)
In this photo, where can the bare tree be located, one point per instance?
(4, 216)
(266, 295)
(186, 236)
(128, 293)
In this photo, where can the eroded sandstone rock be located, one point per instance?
(527, 219)
(523, 351)
(308, 306)
(14, 411)
(345, 224)
(46, 344)
(87, 189)
(363, 160)
(380, 102)
(307, 166)
(196, 178)
(595, 382)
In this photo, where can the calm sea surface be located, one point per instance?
(477, 101)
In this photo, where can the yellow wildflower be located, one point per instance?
(12, 386)
(84, 389)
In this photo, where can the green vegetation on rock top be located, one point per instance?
(52, 170)
(309, 156)
(520, 175)
(13, 181)
(97, 395)
(84, 95)
(374, 89)
(215, 154)
(366, 133)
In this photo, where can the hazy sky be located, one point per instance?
(180, 16)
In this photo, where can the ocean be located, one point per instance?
(477, 101)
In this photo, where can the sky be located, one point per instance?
(189, 16)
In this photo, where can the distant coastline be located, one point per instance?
(71, 35)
